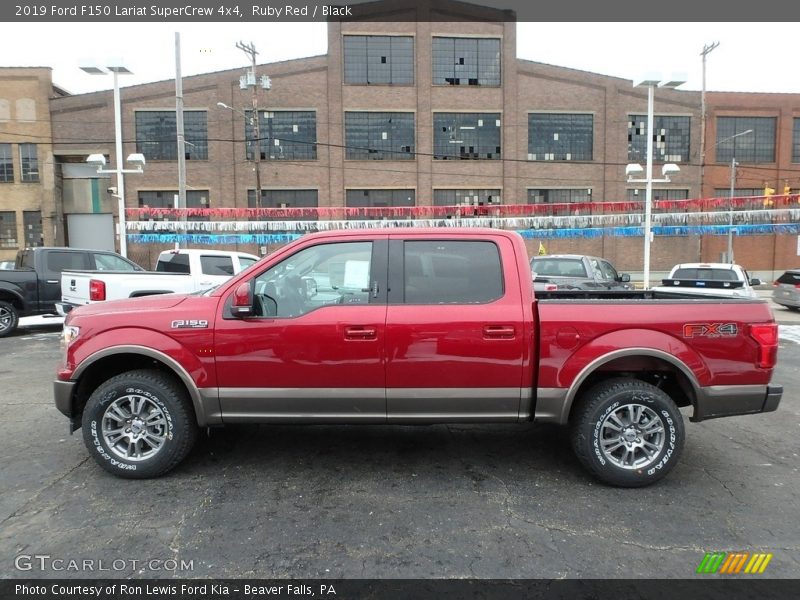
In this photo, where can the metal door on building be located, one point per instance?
(93, 231)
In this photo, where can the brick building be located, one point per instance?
(28, 211)
(414, 108)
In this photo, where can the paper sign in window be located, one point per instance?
(356, 274)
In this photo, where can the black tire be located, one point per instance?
(9, 318)
(593, 420)
(162, 395)
(793, 308)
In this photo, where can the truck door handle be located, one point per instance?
(53, 281)
(358, 332)
(499, 332)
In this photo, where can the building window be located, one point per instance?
(29, 163)
(167, 199)
(377, 198)
(379, 135)
(670, 138)
(738, 192)
(795, 143)
(466, 61)
(285, 199)
(6, 164)
(554, 136)
(378, 59)
(465, 136)
(658, 194)
(555, 196)
(755, 147)
(8, 229)
(285, 135)
(32, 222)
(157, 134)
(471, 197)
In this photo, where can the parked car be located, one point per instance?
(787, 290)
(710, 279)
(34, 285)
(411, 326)
(576, 272)
(177, 271)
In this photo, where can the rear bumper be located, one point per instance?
(62, 308)
(730, 400)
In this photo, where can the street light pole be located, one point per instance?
(648, 197)
(116, 69)
(730, 210)
(122, 224)
(651, 83)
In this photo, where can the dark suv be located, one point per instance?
(576, 272)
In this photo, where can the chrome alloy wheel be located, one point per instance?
(6, 318)
(632, 436)
(134, 428)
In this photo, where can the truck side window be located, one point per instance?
(216, 265)
(452, 272)
(323, 275)
(58, 261)
(173, 263)
(109, 262)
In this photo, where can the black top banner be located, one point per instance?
(243, 11)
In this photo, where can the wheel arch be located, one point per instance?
(680, 381)
(107, 363)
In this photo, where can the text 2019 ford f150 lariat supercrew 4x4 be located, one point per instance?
(408, 326)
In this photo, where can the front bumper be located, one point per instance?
(731, 400)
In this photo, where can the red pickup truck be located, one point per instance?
(412, 326)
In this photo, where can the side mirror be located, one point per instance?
(625, 278)
(242, 305)
(755, 281)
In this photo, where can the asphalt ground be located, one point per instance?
(387, 502)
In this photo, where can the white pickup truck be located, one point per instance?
(710, 279)
(177, 271)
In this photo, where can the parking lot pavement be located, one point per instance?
(388, 502)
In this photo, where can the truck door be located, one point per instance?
(454, 330)
(52, 264)
(315, 347)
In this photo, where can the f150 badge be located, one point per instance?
(189, 324)
(692, 330)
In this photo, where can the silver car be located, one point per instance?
(787, 290)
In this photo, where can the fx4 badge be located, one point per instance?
(189, 324)
(692, 330)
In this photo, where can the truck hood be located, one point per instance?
(144, 303)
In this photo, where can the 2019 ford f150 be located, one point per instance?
(412, 326)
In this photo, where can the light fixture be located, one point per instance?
(670, 169)
(96, 160)
(633, 169)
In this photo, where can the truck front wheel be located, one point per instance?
(627, 432)
(9, 318)
(139, 424)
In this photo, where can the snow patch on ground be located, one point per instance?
(789, 333)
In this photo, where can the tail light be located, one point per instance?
(766, 334)
(550, 287)
(97, 290)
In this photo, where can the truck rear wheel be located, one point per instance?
(627, 432)
(9, 318)
(139, 424)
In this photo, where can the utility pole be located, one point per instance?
(250, 80)
(179, 125)
(706, 50)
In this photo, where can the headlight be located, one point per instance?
(68, 334)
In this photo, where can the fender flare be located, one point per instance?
(15, 292)
(204, 405)
(583, 375)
